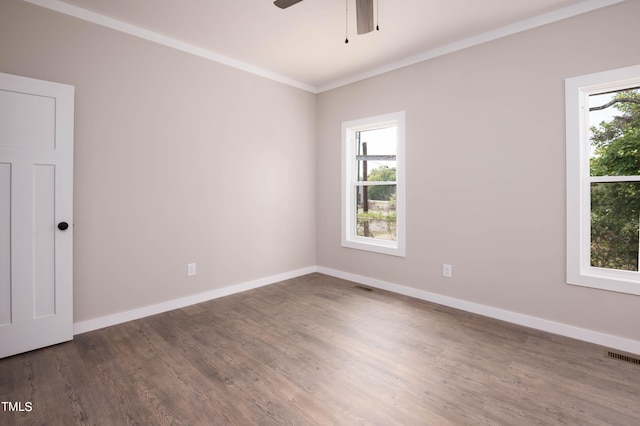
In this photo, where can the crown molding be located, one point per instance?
(105, 21)
(527, 24)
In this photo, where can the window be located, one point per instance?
(603, 180)
(373, 193)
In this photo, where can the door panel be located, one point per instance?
(27, 120)
(36, 190)
(44, 282)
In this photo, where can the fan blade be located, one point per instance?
(364, 15)
(283, 4)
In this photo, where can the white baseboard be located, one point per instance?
(607, 340)
(119, 318)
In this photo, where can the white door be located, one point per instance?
(36, 201)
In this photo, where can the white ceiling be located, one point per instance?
(304, 44)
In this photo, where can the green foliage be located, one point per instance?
(382, 174)
(379, 224)
(392, 200)
(615, 206)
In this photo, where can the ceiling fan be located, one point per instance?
(364, 13)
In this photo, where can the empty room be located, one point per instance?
(319, 212)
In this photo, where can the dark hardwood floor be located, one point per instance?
(318, 350)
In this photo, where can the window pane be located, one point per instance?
(376, 207)
(378, 141)
(614, 120)
(376, 152)
(614, 225)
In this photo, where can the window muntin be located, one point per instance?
(603, 180)
(373, 184)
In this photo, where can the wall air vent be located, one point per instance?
(633, 359)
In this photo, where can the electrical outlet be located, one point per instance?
(191, 269)
(447, 270)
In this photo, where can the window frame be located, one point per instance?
(578, 181)
(349, 180)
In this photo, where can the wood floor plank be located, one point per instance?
(318, 350)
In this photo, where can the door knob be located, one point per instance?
(63, 225)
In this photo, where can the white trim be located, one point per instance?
(595, 337)
(578, 181)
(114, 24)
(134, 314)
(614, 179)
(348, 238)
(603, 339)
(527, 24)
(376, 183)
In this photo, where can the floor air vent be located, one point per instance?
(361, 287)
(623, 357)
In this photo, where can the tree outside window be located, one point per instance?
(615, 204)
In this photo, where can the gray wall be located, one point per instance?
(177, 159)
(485, 170)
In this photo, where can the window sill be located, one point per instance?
(627, 282)
(382, 247)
